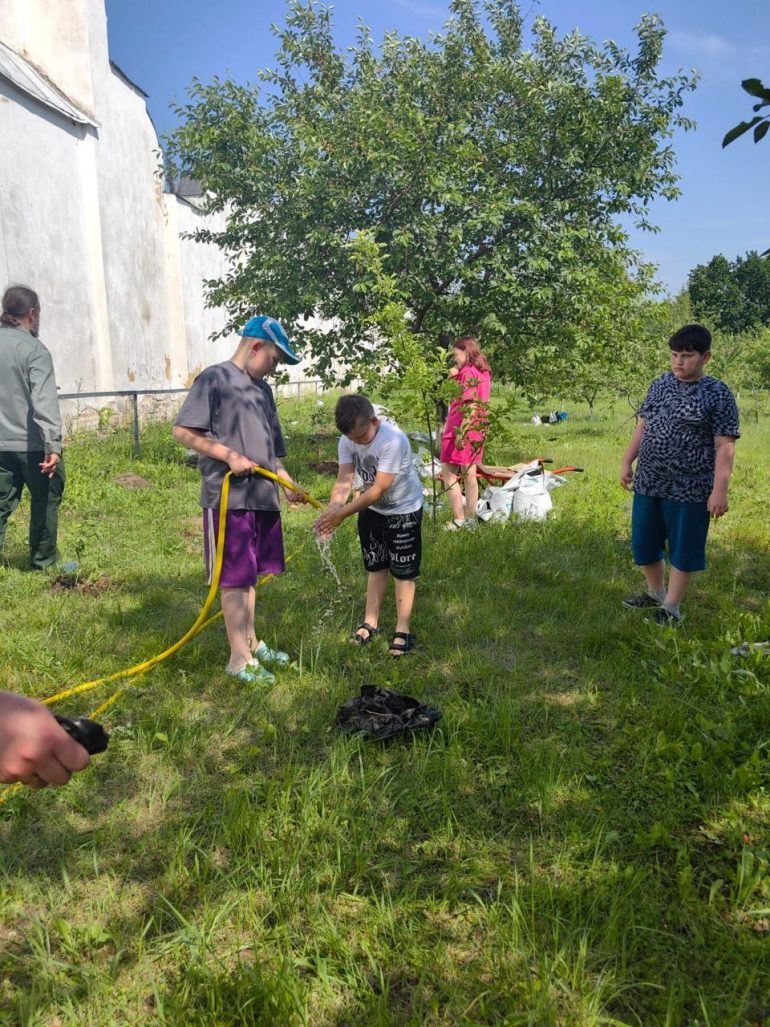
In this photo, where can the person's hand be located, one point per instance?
(626, 474)
(34, 749)
(49, 464)
(330, 519)
(291, 496)
(717, 503)
(453, 372)
(240, 464)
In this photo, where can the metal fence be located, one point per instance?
(82, 417)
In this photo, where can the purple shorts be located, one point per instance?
(253, 546)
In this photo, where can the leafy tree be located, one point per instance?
(755, 366)
(733, 296)
(760, 123)
(714, 293)
(752, 275)
(743, 361)
(594, 350)
(643, 355)
(490, 177)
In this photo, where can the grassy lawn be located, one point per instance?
(583, 839)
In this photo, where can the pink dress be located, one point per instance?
(469, 448)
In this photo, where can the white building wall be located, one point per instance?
(55, 36)
(44, 216)
(84, 220)
(196, 262)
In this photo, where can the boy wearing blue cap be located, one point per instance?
(229, 417)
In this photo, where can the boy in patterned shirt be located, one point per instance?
(685, 444)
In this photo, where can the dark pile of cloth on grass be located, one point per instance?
(381, 713)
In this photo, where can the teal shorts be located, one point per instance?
(684, 526)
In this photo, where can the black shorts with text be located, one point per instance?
(391, 542)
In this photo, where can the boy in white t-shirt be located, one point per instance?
(389, 513)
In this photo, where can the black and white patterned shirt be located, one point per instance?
(681, 419)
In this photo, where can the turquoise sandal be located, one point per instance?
(252, 674)
(272, 656)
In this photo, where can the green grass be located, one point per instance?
(583, 840)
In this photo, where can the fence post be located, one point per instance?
(135, 408)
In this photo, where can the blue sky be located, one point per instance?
(163, 44)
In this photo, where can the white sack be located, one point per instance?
(426, 465)
(525, 495)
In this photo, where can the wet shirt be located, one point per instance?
(389, 452)
(240, 412)
(681, 420)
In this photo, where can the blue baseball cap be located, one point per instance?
(267, 328)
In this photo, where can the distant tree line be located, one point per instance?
(733, 295)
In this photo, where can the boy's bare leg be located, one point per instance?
(677, 586)
(376, 587)
(405, 591)
(453, 491)
(653, 572)
(238, 612)
(471, 491)
(254, 642)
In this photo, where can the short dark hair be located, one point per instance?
(18, 302)
(691, 338)
(352, 412)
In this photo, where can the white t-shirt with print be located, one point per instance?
(389, 452)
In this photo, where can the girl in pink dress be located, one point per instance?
(462, 443)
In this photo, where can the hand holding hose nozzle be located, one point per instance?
(87, 733)
(39, 749)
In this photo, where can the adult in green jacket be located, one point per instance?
(30, 425)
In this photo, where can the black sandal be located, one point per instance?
(363, 640)
(401, 648)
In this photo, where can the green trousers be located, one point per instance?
(16, 471)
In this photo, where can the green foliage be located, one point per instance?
(734, 296)
(418, 379)
(760, 123)
(743, 359)
(641, 354)
(490, 178)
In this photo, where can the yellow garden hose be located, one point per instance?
(200, 621)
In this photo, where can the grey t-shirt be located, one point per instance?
(29, 409)
(390, 452)
(240, 412)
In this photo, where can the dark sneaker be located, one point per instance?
(643, 602)
(665, 618)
